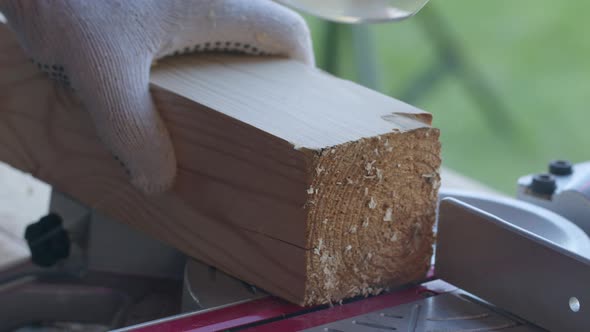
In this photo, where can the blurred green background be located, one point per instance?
(532, 57)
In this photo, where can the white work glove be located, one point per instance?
(104, 50)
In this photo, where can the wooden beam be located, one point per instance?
(311, 187)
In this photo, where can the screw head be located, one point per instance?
(561, 167)
(543, 184)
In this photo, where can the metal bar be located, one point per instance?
(512, 268)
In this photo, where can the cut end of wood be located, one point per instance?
(371, 214)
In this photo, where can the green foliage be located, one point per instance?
(536, 56)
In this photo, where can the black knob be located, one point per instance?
(561, 167)
(543, 184)
(48, 240)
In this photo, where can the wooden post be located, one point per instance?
(308, 186)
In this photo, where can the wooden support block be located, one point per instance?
(311, 187)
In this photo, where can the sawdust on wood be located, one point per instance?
(379, 232)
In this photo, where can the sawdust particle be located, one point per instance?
(388, 214)
(379, 174)
(372, 203)
(366, 223)
(393, 238)
(348, 247)
(349, 181)
(310, 191)
(366, 191)
(353, 229)
(369, 167)
(325, 221)
(430, 178)
(330, 279)
(319, 170)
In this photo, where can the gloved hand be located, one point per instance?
(104, 50)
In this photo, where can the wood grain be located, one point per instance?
(250, 136)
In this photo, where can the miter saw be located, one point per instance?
(501, 264)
